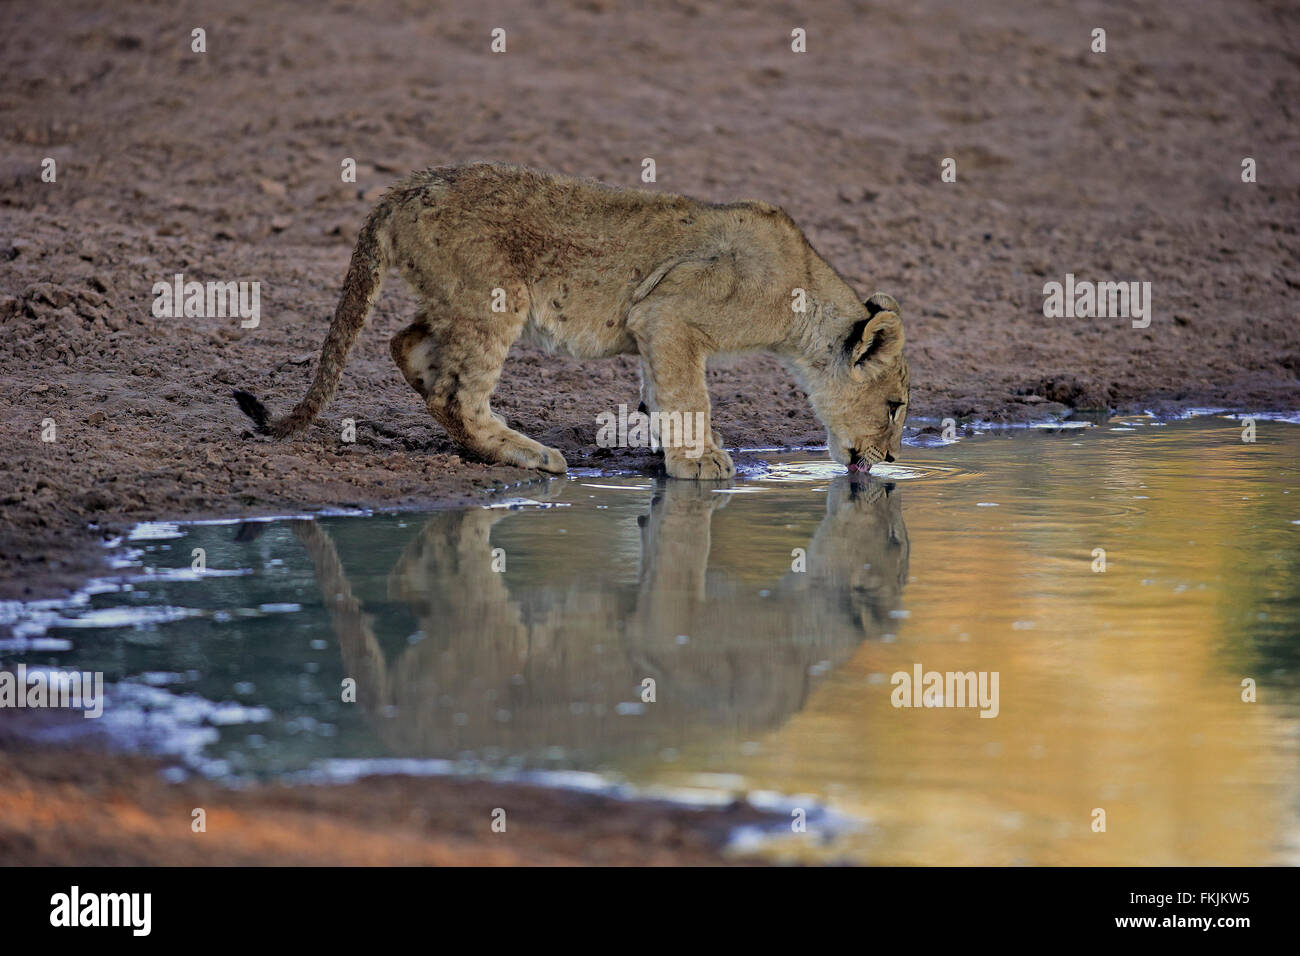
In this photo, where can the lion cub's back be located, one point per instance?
(541, 221)
(569, 253)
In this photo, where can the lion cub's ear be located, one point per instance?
(874, 344)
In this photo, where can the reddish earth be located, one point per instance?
(61, 807)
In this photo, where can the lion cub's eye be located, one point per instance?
(894, 407)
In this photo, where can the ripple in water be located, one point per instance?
(813, 471)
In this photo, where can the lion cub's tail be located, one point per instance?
(370, 262)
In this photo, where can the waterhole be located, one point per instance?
(1135, 587)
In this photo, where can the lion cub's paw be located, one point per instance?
(710, 466)
(534, 455)
(552, 461)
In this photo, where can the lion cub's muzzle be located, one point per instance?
(863, 461)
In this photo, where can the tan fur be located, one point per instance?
(600, 271)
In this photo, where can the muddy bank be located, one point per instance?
(73, 807)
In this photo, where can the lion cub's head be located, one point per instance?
(862, 395)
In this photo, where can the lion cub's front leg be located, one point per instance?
(648, 403)
(675, 367)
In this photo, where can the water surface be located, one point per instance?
(770, 615)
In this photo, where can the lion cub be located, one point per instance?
(601, 271)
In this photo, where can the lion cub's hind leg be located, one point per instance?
(412, 351)
(454, 366)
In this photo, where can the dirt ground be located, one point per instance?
(60, 807)
(225, 165)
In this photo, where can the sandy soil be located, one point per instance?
(74, 807)
(226, 165)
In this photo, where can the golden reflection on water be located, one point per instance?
(1119, 690)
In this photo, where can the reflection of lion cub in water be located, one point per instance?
(601, 271)
(536, 642)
